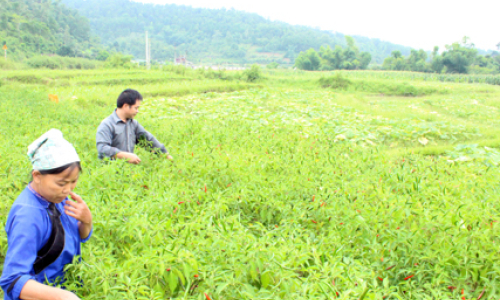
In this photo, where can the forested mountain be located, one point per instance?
(210, 35)
(30, 27)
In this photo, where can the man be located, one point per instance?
(119, 133)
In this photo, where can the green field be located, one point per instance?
(299, 185)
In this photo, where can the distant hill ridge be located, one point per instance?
(210, 35)
(31, 27)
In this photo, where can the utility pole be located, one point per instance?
(148, 66)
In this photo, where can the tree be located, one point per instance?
(437, 64)
(103, 55)
(308, 60)
(365, 60)
(396, 54)
(65, 51)
(435, 52)
(458, 58)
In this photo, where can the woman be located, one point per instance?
(44, 228)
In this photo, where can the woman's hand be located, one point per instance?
(33, 290)
(80, 211)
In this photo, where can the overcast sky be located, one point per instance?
(419, 24)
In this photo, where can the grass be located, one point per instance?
(280, 189)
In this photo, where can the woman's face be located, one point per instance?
(56, 187)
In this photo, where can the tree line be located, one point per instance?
(460, 57)
(349, 58)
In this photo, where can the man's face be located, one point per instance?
(133, 109)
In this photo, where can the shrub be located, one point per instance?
(118, 60)
(336, 82)
(58, 62)
(253, 73)
(273, 65)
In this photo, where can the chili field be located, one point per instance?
(294, 186)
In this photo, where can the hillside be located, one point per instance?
(209, 35)
(31, 27)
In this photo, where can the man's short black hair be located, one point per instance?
(128, 96)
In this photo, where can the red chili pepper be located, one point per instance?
(462, 291)
(463, 297)
(228, 185)
(192, 154)
(380, 278)
(175, 210)
(205, 188)
(322, 204)
(313, 198)
(196, 276)
(314, 221)
(145, 187)
(198, 202)
(388, 268)
(451, 288)
(180, 202)
(481, 295)
(337, 293)
(206, 296)
(168, 270)
(409, 277)
(341, 223)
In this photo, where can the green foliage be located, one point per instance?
(273, 65)
(336, 82)
(10, 65)
(209, 35)
(253, 74)
(34, 27)
(416, 62)
(58, 62)
(337, 59)
(308, 60)
(281, 190)
(103, 55)
(118, 60)
(458, 58)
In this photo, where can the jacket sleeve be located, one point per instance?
(140, 133)
(104, 139)
(25, 234)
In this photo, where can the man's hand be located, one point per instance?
(170, 157)
(130, 157)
